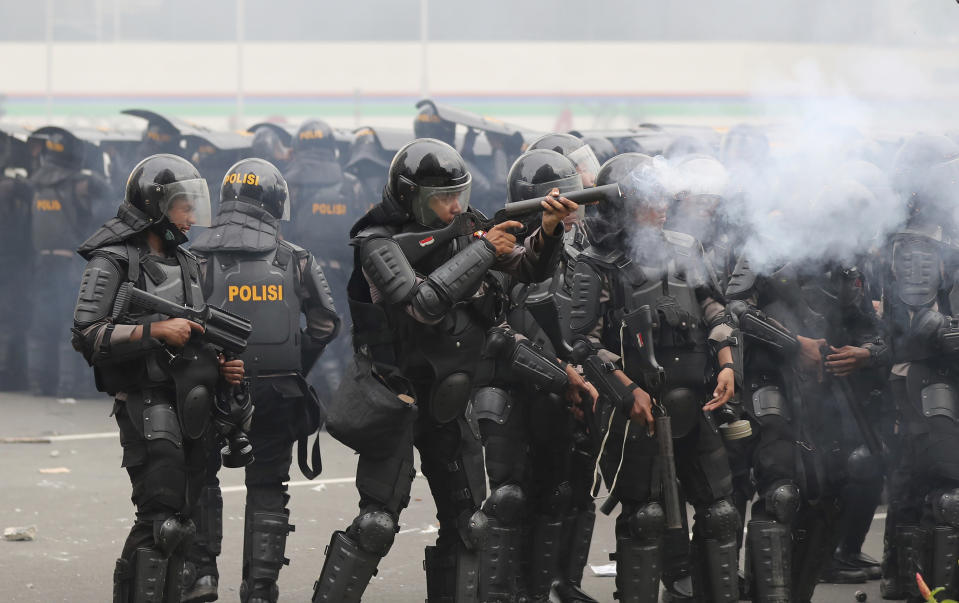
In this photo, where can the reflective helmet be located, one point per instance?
(701, 176)
(427, 172)
(744, 144)
(914, 158)
(625, 170)
(268, 145)
(60, 147)
(427, 124)
(539, 171)
(313, 134)
(576, 149)
(684, 146)
(940, 191)
(170, 192)
(602, 148)
(258, 183)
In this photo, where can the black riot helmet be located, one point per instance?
(258, 183)
(427, 124)
(268, 145)
(427, 172)
(623, 170)
(159, 137)
(539, 171)
(744, 144)
(170, 192)
(914, 158)
(314, 134)
(602, 147)
(939, 194)
(576, 149)
(59, 147)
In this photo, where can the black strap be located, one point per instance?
(186, 274)
(304, 462)
(133, 263)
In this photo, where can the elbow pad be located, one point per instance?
(758, 326)
(454, 280)
(98, 289)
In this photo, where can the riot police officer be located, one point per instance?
(538, 462)
(422, 300)
(322, 209)
(634, 268)
(578, 151)
(249, 270)
(16, 198)
(162, 405)
(64, 203)
(798, 396)
(922, 527)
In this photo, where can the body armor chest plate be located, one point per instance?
(263, 289)
(916, 268)
(56, 217)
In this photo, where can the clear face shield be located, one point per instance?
(186, 203)
(586, 164)
(436, 206)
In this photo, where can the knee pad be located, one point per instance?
(647, 522)
(473, 529)
(506, 504)
(945, 507)
(720, 521)
(172, 534)
(782, 501)
(559, 499)
(374, 532)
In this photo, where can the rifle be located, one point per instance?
(842, 389)
(418, 245)
(226, 332)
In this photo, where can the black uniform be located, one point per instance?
(64, 204)
(671, 277)
(16, 254)
(799, 459)
(923, 520)
(249, 271)
(423, 321)
(165, 467)
(322, 210)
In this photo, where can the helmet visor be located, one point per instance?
(586, 164)
(436, 206)
(187, 202)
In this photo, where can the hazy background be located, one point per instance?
(548, 64)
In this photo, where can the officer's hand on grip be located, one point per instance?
(642, 411)
(174, 332)
(810, 356)
(555, 209)
(847, 359)
(231, 370)
(500, 237)
(579, 392)
(725, 388)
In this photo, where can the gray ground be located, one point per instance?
(82, 516)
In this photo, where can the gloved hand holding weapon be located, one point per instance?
(206, 379)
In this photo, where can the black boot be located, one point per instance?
(200, 575)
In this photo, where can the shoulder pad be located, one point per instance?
(116, 251)
(319, 288)
(585, 289)
(386, 266)
(98, 288)
(296, 249)
(602, 257)
(371, 232)
(680, 239)
(741, 281)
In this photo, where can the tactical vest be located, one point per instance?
(665, 284)
(163, 277)
(57, 219)
(321, 218)
(264, 288)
